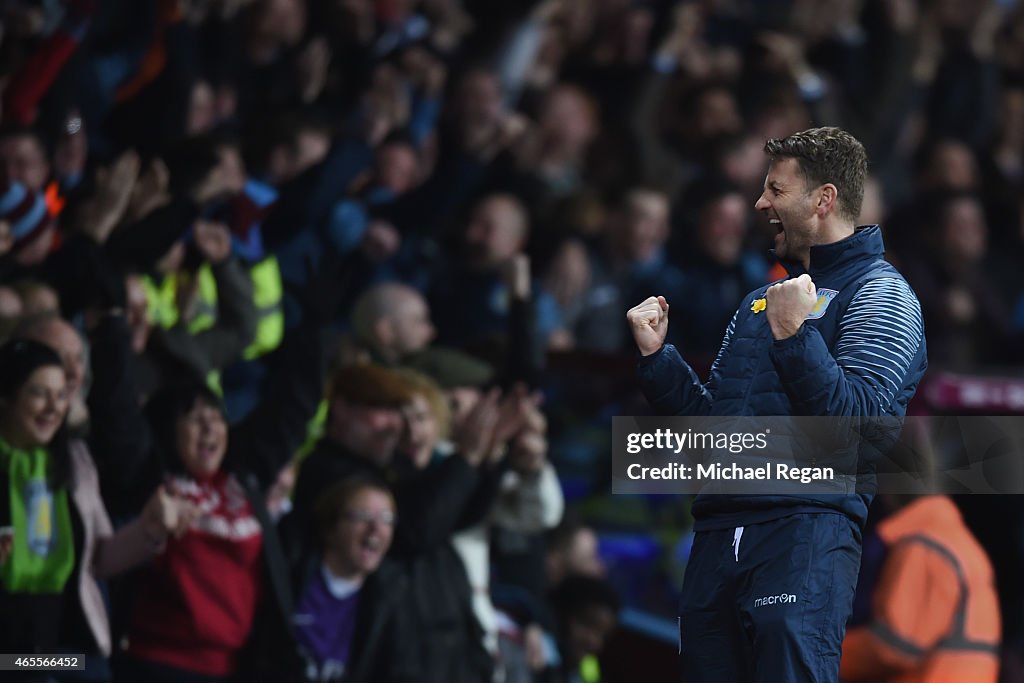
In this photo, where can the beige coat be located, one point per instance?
(104, 552)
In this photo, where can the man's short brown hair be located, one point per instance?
(827, 155)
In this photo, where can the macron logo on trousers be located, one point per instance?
(775, 599)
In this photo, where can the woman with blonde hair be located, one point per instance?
(427, 420)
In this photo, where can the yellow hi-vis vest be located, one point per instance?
(162, 303)
(267, 294)
(162, 309)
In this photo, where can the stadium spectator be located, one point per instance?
(586, 613)
(60, 336)
(185, 621)
(391, 321)
(362, 431)
(719, 267)
(351, 618)
(967, 313)
(470, 300)
(59, 541)
(591, 284)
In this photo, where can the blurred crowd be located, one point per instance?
(313, 311)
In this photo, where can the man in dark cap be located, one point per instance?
(364, 424)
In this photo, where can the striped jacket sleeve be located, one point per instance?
(879, 336)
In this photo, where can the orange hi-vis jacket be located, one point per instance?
(935, 613)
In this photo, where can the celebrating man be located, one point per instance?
(841, 336)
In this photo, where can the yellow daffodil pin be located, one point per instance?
(758, 305)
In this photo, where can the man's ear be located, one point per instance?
(384, 332)
(828, 195)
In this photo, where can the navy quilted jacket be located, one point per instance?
(861, 352)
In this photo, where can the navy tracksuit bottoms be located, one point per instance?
(769, 602)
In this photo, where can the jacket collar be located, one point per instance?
(865, 242)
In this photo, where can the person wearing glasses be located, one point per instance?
(351, 622)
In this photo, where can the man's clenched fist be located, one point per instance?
(789, 303)
(649, 323)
